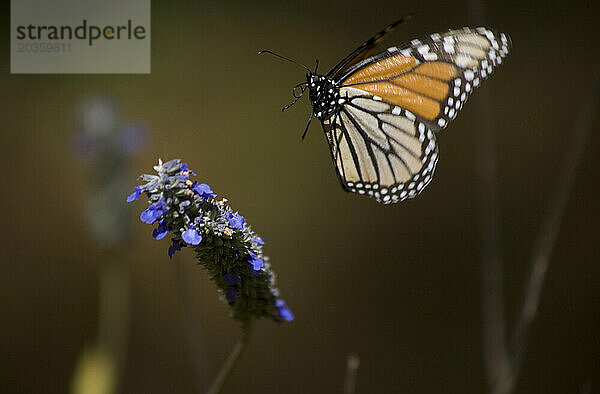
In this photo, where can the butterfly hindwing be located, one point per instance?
(379, 149)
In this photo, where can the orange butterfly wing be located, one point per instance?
(433, 76)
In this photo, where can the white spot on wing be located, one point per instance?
(464, 61)
(423, 49)
(430, 56)
(449, 48)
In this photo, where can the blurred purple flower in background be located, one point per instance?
(101, 132)
(107, 145)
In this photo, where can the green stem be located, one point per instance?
(217, 384)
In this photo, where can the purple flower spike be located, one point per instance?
(227, 247)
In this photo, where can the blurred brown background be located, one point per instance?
(398, 285)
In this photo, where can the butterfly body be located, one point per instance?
(324, 95)
(380, 113)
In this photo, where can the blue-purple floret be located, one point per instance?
(191, 236)
(255, 262)
(153, 213)
(259, 240)
(235, 220)
(176, 245)
(221, 238)
(203, 190)
(284, 311)
(137, 191)
(161, 231)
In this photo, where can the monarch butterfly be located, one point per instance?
(379, 112)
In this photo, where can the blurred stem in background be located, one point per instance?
(503, 363)
(217, 384)
(352, 364)
(191, 326)
(106, 145)
(546, 237)
(495, 355)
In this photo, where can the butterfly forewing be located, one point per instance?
(431, 76)
(363, 51)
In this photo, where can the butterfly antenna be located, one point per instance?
(307, 124)
(285, 58)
